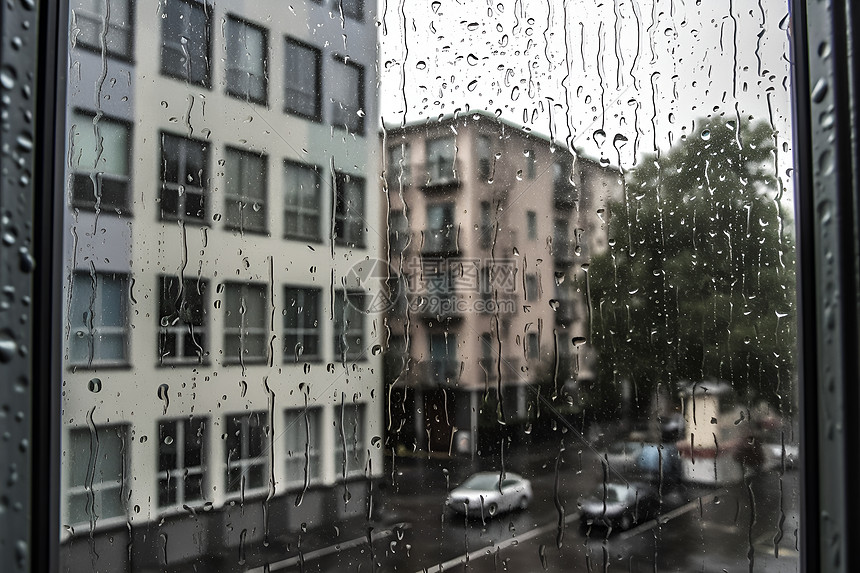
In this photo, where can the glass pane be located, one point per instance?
(559, 258)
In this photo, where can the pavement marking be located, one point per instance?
(488, 549)
(331, 549)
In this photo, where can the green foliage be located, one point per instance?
(698, 281)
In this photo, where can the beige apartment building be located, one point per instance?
(490, 232)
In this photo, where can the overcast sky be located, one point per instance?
(641, 71)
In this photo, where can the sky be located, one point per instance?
(613, 79)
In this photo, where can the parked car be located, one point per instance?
(489, 494)
(620, 505)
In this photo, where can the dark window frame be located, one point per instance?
(300, 330)
(318, 99)
(340, 108)
(166, 71)
(264, 32)
(181, 470)
(232, 197)
(205, 180)
(298, 210)
(203, 351)
(126, 209)
(351, 236)
(97, 49)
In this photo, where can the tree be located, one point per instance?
(698, 280)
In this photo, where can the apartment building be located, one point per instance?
(491, 228)
(219, 385)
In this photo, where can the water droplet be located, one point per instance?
(376, 350)
(376, 441)
(421, 65)
(599, 137)
(554, 304)
(472, 85)
(8, 347)
(472, 59)
(819, 92)
(95, 385)
(8, 76)
(162, 394)
(706, 134)
(168, 440)
(578, 341)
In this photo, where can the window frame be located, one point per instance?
(97, 488)
(205, 179)
(182, 471)
(96, 48)
(242, 155)
(354, 235)
(310, 420)
(246, 460)
(357, 15)
(344, 448)
(343, 330)
(318, 99)
(339, 109)
(93, 362)
(299, 331)
(125, 209)
(204, 350)
(264, 78)
(207, 57)
(298, 210)
(243, 329)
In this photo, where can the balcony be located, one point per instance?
(563, 252)
(565, 194)
(441, 175)
(440, 243)
(397, 175)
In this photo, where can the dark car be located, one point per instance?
(620, 505)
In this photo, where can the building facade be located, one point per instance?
(491, 229)
(219, 385)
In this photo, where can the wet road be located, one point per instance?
(750, 526)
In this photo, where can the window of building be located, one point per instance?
(185, 41)
(302, 201)
(98, 320)
(91, 22)
(247, 60)
(561, 245)
(399, 168)
(398, 231)
(485, 157)
(347, 95)
(100, 151)
(181, 445)
(531, 224)
(444, 362)
(531, 163)
(247, 451)
(349, 210)
(246, 325)
(531, 287)
(488, 355)
(182, 336)
(349, 307)
(245, 187)
(440, 235)
(352, 9)
(302, 440)
(487, 228)
(302, 79)
(440, 159)
(532, 346)
(184, 178)
(302, 324)
(96, 461)
(350, 449)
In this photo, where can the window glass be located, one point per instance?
(350, 454)
(246, 451)
(302, 69)
(349, 210)
(302, 324)
(349, 308)
(301, 439)
(245, 322)
(98, 316)
(97, 474)
(347, 96)
(352, 8)
(532, 225)
(99, 157)
(246, 182)
(246, 60)
(302, 201)
(97, 22)
(185, 50)
(484, 157)
(184, 178)
(440, 160)
(182, 336)
(180, 461)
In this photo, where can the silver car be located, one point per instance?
(485, 494)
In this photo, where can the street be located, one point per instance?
(750, 526)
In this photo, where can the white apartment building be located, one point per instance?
(219, 384)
